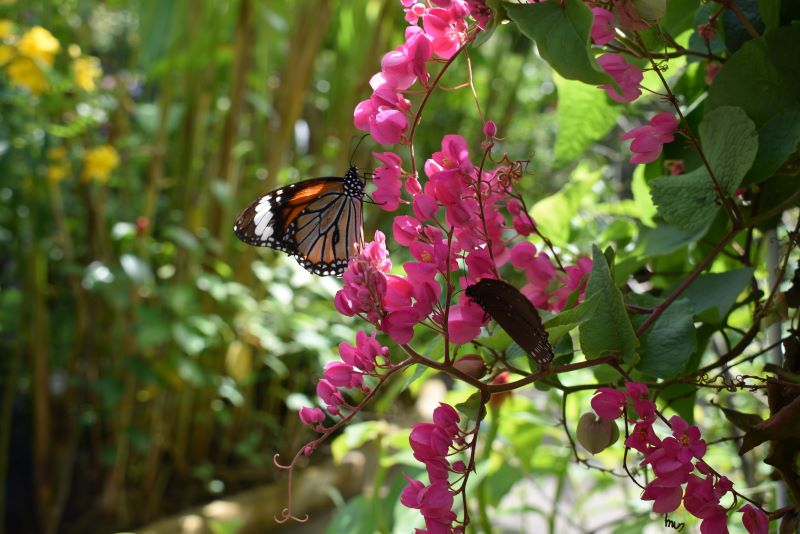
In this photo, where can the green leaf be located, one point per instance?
(770, 13)
(562, 35)
(679, 16)
(761, 77)
(713, 295)
(777, 141)
(641, 196)
(555, 214)
(356, 435)
(584, 116)
(730, 142)
(670, 341)
(570, 319)
(609, 329)
(686, 202)
(471, 406)
(356, 517)
(665, 239)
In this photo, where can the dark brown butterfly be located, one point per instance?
(515, 314)
(317, 221)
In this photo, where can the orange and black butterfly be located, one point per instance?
(515, 314)
(318, 221)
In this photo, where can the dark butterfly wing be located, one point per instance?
(515, 314)
(317, 221)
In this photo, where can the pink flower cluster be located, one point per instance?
(431, 444)
(366, 358)
(675, 461)
(627, 76)
(476, 212)
(386, 113)
(649, 140)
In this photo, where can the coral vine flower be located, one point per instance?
(649, 140)
(608, 403)
(431, 443)
(627, 76)
(387, 180)
(754, 519)
(603, 30)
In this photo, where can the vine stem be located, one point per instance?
(287, 512)
(653, 317)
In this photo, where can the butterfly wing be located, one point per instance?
(317, 221)
(515, 314)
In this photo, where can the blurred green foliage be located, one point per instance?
(147, 354)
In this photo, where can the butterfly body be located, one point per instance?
(318, 221)
(515, 314)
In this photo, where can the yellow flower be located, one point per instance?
(99, 162)
(86, 71)
(6, 53)
(6, 28)
(40, 44)
(56, 173)
(25, 73)
(57, 153)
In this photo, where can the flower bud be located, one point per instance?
(471, 364)
(490, 129)
(594, 434)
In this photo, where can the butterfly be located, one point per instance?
(318, 221)
(515, 314)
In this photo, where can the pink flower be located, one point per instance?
(638, 394)
(627, 76)
(399, 324)
(608, 403)
(574, 278)
(446, 417)
(455, 154)
(701, 500)
(490, 129)
(404, 65)
(465, 322)
(754, 519)
(342, 375)
(406, 229)
(480, 12)
(429, 441)
(602, 26)
(712, 69)
(330, 396)
(388, 126)
(668, 462)
(447, 33)
(414, 12)
(410, 495)
(649, 140)
(666, 498)
(425, 206)
(424, 287)
(387, 180)
(365, 281)
(311, 416)
(688, 438)
(643, 438)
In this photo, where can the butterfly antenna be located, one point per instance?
(353, 153)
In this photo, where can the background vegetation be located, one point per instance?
(149, 361)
